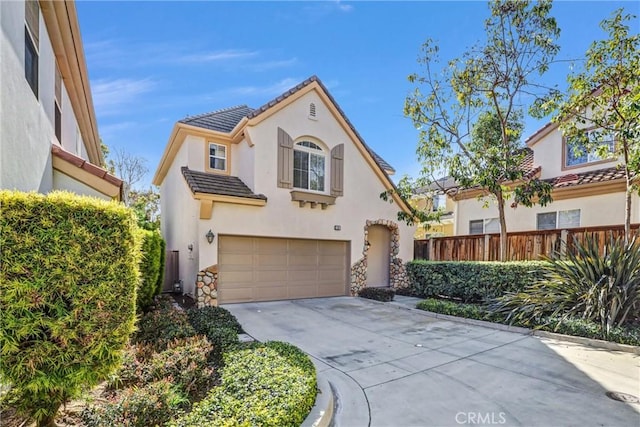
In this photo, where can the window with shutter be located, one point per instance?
(337, 170)
(285, 160)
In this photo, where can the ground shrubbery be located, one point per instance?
(378, 294)
(68, 282)
(586, 294)
(151, 268)
(568, 325)
(471, 281)
(173, 365)
(269, 385)
(218, 325)
(603, 289)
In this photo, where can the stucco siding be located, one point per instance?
(256, 166)
(25, 131)
(65, 182)
(283, 218)
(598, 210)
(180, 213)
(548, 152)
(27, 127)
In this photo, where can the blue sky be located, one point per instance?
(153, 63)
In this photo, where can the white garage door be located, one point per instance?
(266, 269)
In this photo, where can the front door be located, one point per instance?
(378, 256)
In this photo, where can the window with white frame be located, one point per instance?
(439, 202)
(560, 219)
(217, 156)
(308, 166)
(484, 226)
(576, 154)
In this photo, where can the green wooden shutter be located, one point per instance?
(285, 160)
(337, 170)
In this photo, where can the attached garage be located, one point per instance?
(266, 269)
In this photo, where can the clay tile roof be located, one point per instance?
(85, 165)
(221, 120)
(224, 185)
(600, 175)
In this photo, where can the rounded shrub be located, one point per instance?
(269, 385)
(68, 282)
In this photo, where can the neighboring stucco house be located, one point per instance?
(48, 130)
(290, 193)
(587, 191)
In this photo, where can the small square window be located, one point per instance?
(569, 219)
(217, 157)
(476, 226)
(546, 221)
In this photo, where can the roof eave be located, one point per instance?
(62, 25)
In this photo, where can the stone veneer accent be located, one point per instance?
(397, 271)
(207, 287)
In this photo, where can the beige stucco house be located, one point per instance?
(279, 202)
(587, 191)
(48, 129)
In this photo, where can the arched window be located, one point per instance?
(309, 166)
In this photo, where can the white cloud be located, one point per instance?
(111, 94)
(344, 7)
(258, 93)
(217, 56)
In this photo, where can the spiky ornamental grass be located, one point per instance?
(67, 295)
(601, 288)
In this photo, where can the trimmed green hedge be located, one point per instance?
(269, 385)
(68, 282)
(151, 268)
(377, 294)
(471, 281)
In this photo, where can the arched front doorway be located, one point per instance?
(379, 265)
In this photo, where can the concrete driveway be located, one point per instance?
(390, 366)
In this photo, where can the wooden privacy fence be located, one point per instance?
(521, 246)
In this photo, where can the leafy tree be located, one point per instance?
(131, 169)
(606, 95)
(469, 118)
(146, 205)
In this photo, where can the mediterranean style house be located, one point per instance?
(587, 191)
(48, 131)
(279, 202)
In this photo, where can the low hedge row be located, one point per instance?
(378, 294)
(471, 281)
(571, 326)
(266, 385)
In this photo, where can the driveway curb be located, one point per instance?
(321, 414)
(591, 342)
